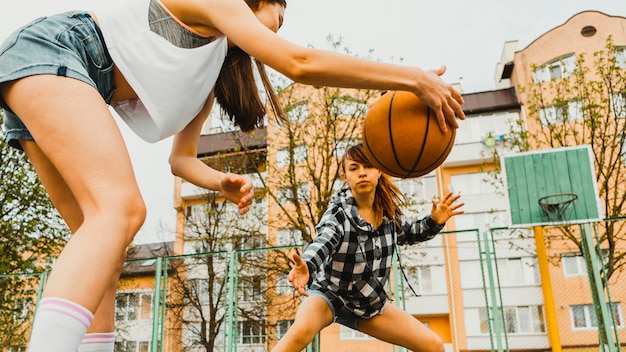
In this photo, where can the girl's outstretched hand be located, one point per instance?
(446, 208)
(238, 189)
(299, 275)
(442, 98)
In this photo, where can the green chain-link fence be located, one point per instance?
(497, 289)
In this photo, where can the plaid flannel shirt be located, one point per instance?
(350, 260)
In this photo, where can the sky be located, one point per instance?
(465, 35)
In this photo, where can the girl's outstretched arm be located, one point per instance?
(325, 68)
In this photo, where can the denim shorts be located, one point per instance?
(341, 315)
(68, 44)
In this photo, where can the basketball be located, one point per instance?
(402, 138)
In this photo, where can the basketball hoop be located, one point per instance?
(555, 206)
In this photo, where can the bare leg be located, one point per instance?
(78, 136)
(413, 334)
(66, 204)
(313, 315)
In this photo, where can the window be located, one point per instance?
(574, 264)
(524, 319)
(283, 155)
(251, 332)
(282, 326)
(423, 282)
(197, 215)
(199, 288)
(20, 348)
(345, 333)
(475, 128)
(620, 57)
(131, 306)
(251, 241)
(132, 346)
(618, 104)
(298, 112)
(289, 236)
(250, 289)
(557, 114)
(560, 68)
(349, 108)
(285, 195)
(283, 286)
(423, 189)
(479, 220)
(517, 320)
(518, 271)
(425, 279)
(584, 316)
(472, 183)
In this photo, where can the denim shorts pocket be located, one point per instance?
(85, 31)
(10, 41)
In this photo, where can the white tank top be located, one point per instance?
(172, 82)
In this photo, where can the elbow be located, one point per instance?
(174, 166)
(301, 67)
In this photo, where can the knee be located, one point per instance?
(434, 343)
(300, 334)
(136, 214)
(129, 213)
(123, 215)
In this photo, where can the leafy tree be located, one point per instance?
(31, 233)
(587, 107)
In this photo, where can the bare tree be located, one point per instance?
(225, 251)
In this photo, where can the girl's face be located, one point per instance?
(361, 178)
(270, 14)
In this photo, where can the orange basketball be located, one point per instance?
(402, 138)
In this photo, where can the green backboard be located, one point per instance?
(556, 175)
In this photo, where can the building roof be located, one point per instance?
(490, 101)
(142, 259)
(211, 144)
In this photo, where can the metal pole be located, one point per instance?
(163, 305)
(156, 304)
(492, 289)
(231, 329)
(546, 286)
(596, 284)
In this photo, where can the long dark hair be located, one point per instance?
(236, 90)
(388, 198)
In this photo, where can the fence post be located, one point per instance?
(546, 286)
(231, 329)
(496, 314)
(155, 305)
(596, 285)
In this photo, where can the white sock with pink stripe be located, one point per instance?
(98, 342)
(59, 325)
